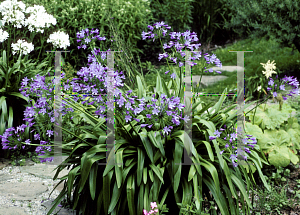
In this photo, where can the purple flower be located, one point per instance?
(217, 133)
(271, 82)
(212, 137)
(49, 132)
(173, 76)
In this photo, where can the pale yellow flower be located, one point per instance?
(269, 67)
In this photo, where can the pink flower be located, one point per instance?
(153, 205)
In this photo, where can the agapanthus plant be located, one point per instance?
(231, 137)
(165, 112)
(182, 41)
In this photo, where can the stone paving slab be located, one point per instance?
(43, 171)
(30, 190)
(228, 68)
(12, 211)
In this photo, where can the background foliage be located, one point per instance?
(276, 18)
(130, 16)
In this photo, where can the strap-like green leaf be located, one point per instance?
(147, 145)
(209, 150)
(218, 196)
(140, 167)
(106, 191)
(192, 172)
(10, 117)
(115, 197)
(119, 168)
(86, 164)
(130, 194)
(92, 179)
(145, 175)
(140, 200)
(71, 178)
(156, 143)
(141, 92)
(157, 172)
(241, 187)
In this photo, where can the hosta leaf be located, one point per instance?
(293, 157)
(253, 130)
(280, 156)
(272, 139)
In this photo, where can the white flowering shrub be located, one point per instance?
(22, 46)
(34, 20)
(59, 39)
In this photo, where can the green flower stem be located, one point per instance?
(42, 41)
(169, 64)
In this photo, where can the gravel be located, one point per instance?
(33, 207)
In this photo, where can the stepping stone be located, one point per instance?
(205, 80)
(228, 68)
(12, 211)
(23, 191)
(44, 171)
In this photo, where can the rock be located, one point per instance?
(23, 190)
(4, 163)
(44, 171)
(4, 178)
(12, 211)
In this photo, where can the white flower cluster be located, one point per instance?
(13, 12)
(59, 39)
(3, 35)
(22, 46)
(269, 67)
(39, 18)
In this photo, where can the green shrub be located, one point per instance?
(74, 15)
(276, 18)
(208, 17)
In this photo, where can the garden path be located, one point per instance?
(25, 189)
(209, 79)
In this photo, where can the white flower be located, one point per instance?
(3, 35)
(22, 46)
(269, 67)
(60, 39)
(12, 12)
(38, 19)
(11, 4)
(259, 88)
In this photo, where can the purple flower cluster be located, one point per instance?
(187, 38)
(167, 109)
(292, 82)
(233, 136)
